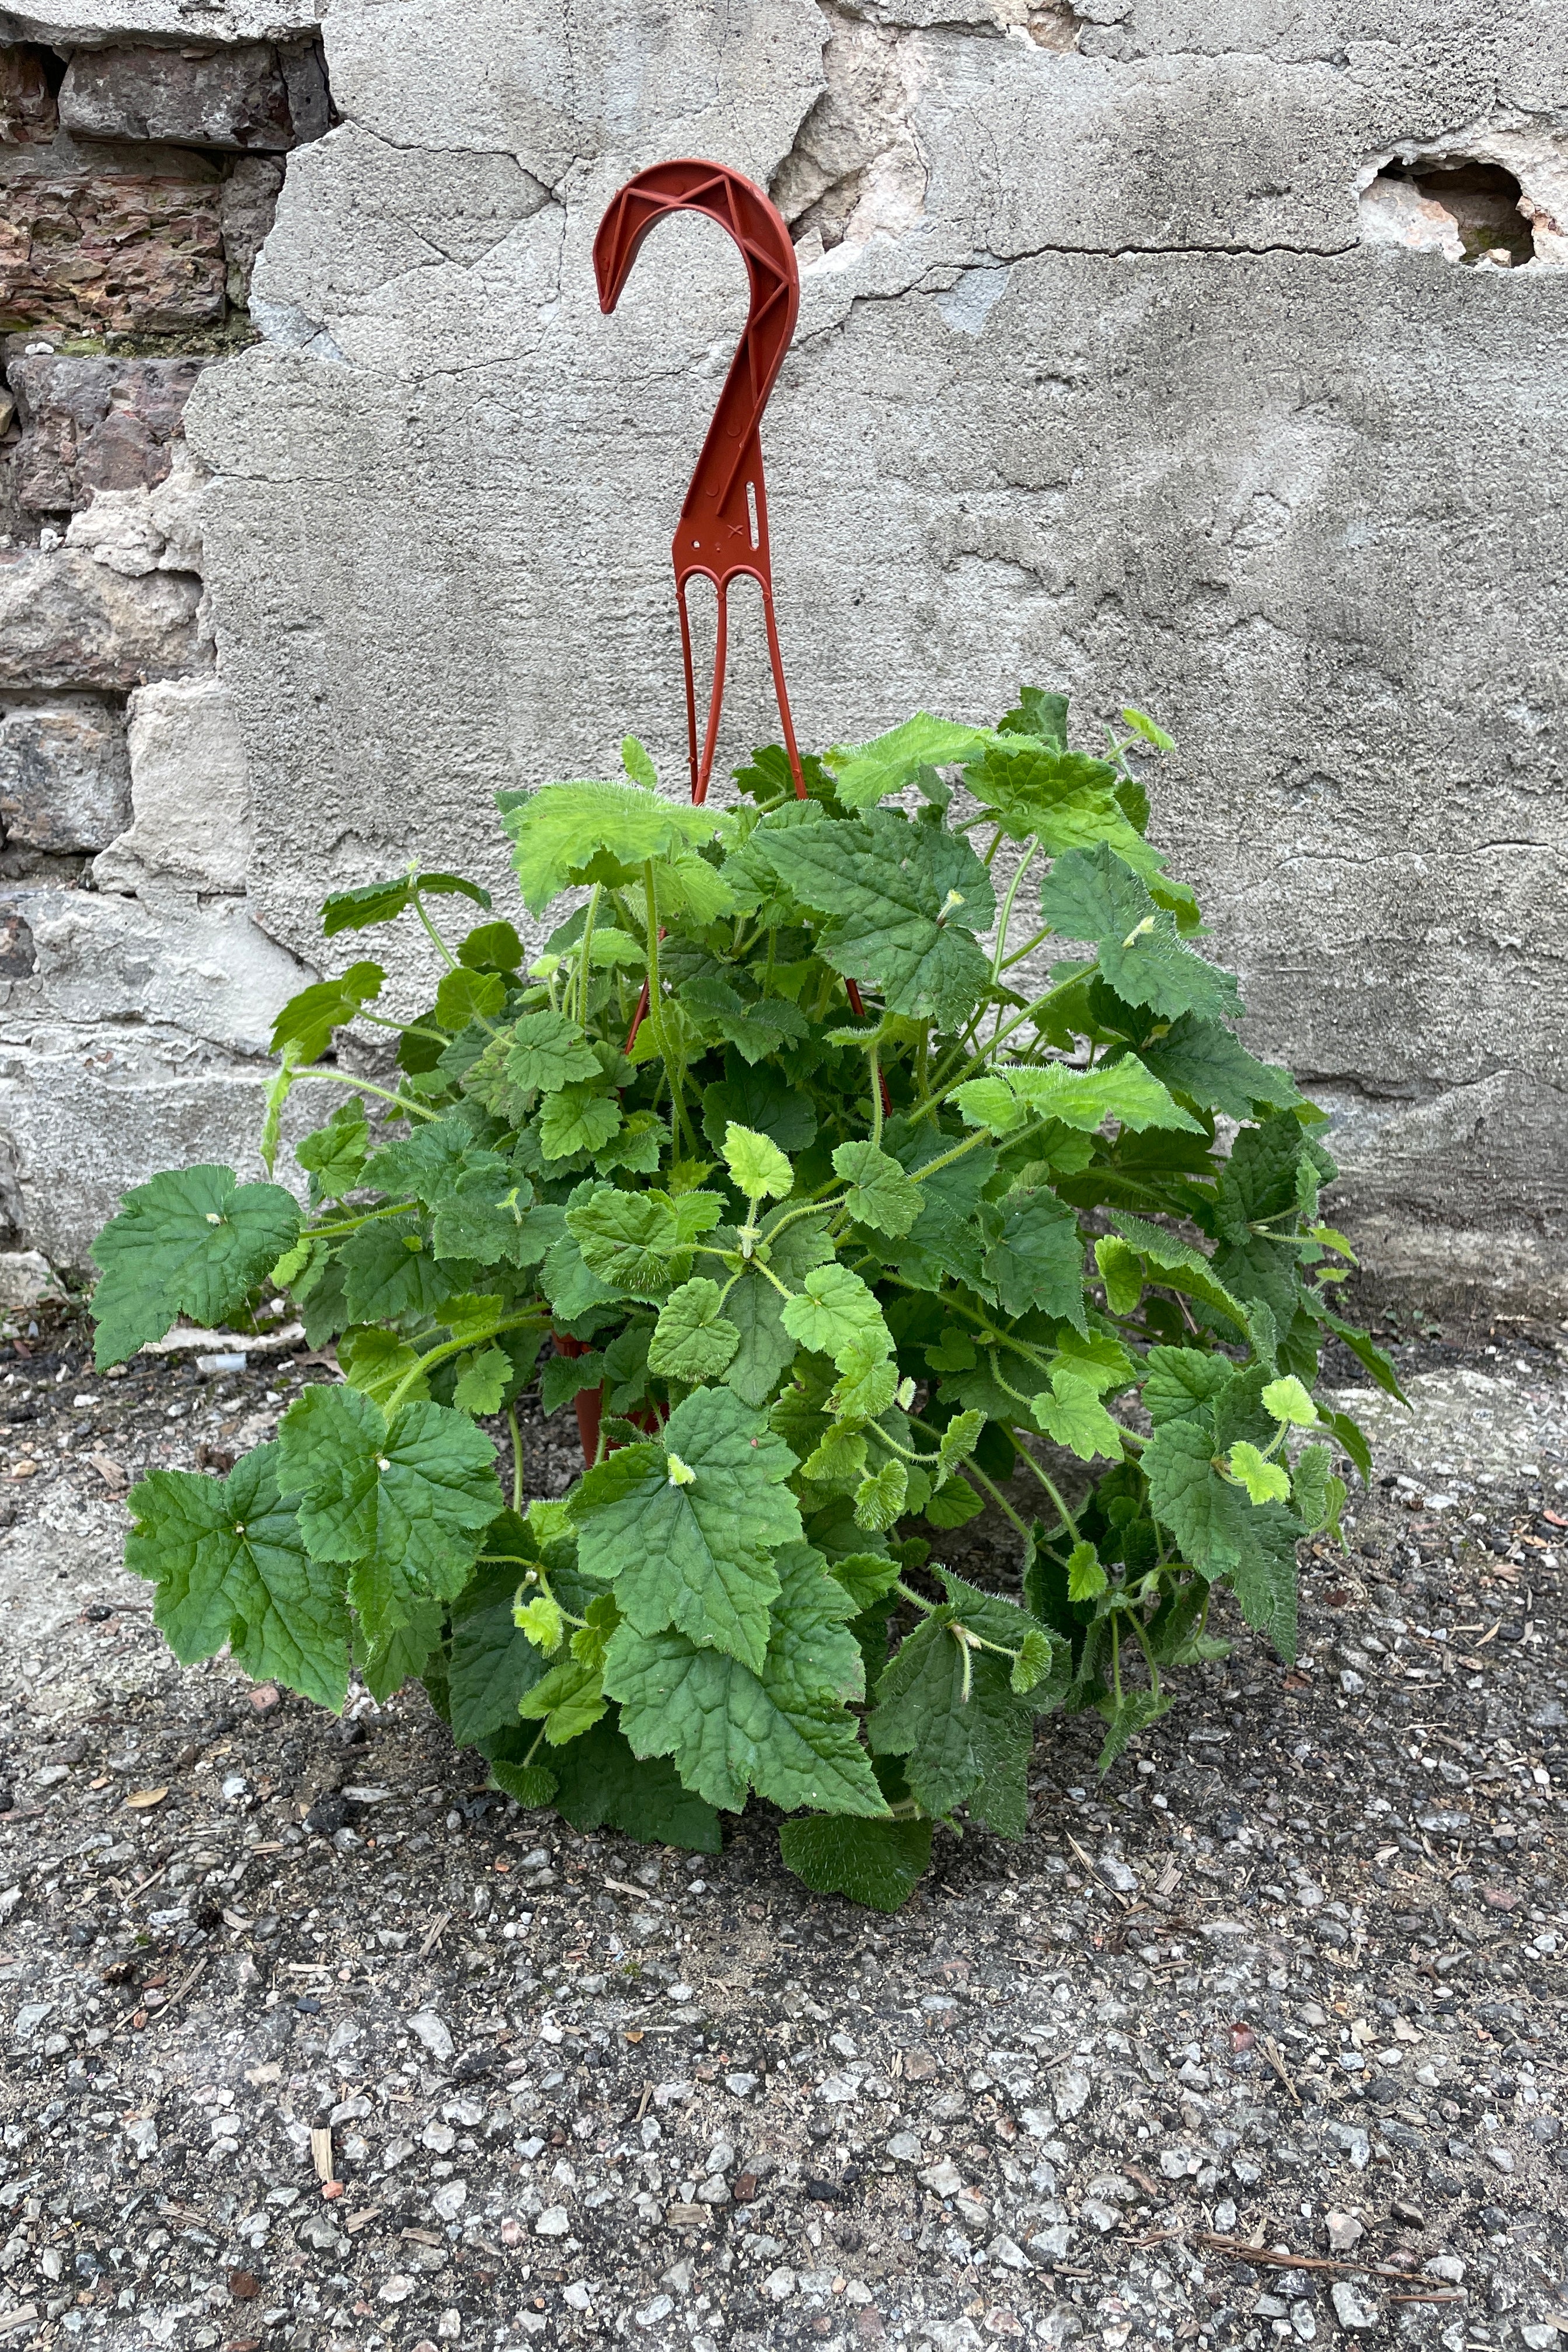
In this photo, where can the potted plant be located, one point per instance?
(844, 1228)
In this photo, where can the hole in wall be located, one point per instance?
(1466, 211)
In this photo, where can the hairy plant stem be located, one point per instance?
(441, 947)
(362, 1086)
(978, 1060)
(656, 1014)
(456, 1347)
(516, 1458)
(1006, 922)
(586, 964)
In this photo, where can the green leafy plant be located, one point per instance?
(848, 1227)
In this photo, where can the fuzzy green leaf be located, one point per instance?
(1037, 1259)
(1085, 1576)
(783, 1729)
(600, 1782)
(957, 1749)
(389, 1270)
(1092, 895)
(693, 1341)
(1071, 1412)
(881, 1194)
(555, 832)
(403, 1501)
(695, 1552)
(464, 996)
(1265, 1481)
(576, 1119)
(493, 1661)
(865, 773)
(307, 1020)
(903, 900)
(1202, 1060)
(230, 1565)
(481, 1383)
(1288, 1401)
(836, 1314)
(334, 1156)
(485, 1218)
(758, 1168)
(878, 1864)
(627, 1239)
(880, 1499)
(1083, 1100)
(380, 902)
(194, 1243)
(541, 1053)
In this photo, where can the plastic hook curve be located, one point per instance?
(722, 533)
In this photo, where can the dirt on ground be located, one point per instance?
(1259, 2040)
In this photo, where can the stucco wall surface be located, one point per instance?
(1111, 373)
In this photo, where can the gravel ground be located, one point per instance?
(1259, 2040)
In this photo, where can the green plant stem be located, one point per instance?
(979, 1060)
(1005, 925)
(1050, 1487)
(441, 946)
(656, 1013)
(456, 1347)
(586, 964)
(1137, 1626)
(404, 1028)
(876, 1096)
(335, 1232)
(516, 1458)
(362, 1086)
(972, 1470)
(927, 1608)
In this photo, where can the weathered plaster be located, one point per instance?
(1099, 380)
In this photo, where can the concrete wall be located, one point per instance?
(1158, 349)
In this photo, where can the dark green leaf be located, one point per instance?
(878, 1864)
(193, 1241)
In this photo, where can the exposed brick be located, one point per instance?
(91, 423)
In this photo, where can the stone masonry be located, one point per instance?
(138, 181)
(1205, 356)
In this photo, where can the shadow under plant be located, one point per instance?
(1289, 1979)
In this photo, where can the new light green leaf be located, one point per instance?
(958, 1440)
(692, 1340)
(1265, 1481)
(192, 1242)
(334, 1156)
(230, 1565)
(880, 1499)
(464, 996)
(836, 1314)
(1288, 1401)
(880, 1194)
(1086, 1575)
(865, 773)
(1071, 1412)
(758, 1166)
(693, 1552)
(1084, 1100)
(556, 831)
(782, 1727)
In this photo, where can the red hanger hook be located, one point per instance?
(722, 534)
